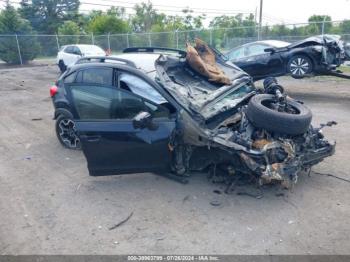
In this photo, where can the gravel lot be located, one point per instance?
(49, 204)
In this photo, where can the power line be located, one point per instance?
(180, 7)
(161, 9)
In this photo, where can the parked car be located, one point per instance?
(147, 110)
(69, 54)
(314, 55)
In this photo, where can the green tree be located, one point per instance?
(345, 27)
(68, 33)
(316, 24)
(107, 23)
(11, 23)
(47, 15)
(145, 17)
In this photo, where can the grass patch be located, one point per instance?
(345, 69)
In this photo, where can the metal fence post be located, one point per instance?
(19, 50)
(324, 20)
(177, 38)
(58, 43)
(149, 39)
(92, 38)
(109, 43)
(211, 36)
(127, 40)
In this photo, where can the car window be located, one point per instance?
(70, 78)
(255, 49)
(69, 50)
(102, 76)
(140, 87)
(100, 102)
(76, 50)
(236, 54)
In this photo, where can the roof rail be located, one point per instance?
(103, 59)
(153, 50)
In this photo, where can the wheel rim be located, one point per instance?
(68, 134)
(299, 66)
(286, 108)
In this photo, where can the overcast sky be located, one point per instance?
(275, 11)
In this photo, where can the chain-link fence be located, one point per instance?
(19, 49)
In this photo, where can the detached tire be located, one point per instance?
(271, 120)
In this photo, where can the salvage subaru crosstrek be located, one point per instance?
(160, 110)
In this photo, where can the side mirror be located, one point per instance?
(270, 50)
(144, 120)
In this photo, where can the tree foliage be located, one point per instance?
(107, 23)
(12, 23)
(47, 15)
(69, 33)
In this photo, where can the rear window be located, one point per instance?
(91, 49)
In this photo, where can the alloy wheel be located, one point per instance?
(299, 66)
(67, 133)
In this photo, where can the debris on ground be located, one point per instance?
(185, 198)
(257, 196)
(331, 175)
(121, 222)
(37, 119)
(215, 202)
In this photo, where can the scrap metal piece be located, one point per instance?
(202, 59)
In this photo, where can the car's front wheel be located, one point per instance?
(299, 66)
(66, 132)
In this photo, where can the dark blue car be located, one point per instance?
(147, 110)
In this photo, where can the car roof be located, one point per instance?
(275, 43)
(143, 61)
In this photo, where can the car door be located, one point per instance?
(259, 63)
(110, 141)
(71, 54)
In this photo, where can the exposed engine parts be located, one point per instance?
(277, 142)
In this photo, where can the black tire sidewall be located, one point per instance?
(62, 66)
(299, 56)
(278, 122)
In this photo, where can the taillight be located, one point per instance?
(53, 91)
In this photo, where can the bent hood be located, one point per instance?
(192, 90)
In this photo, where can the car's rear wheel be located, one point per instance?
(299, 66)
(66, 132)
(62, 66)
(263, 112)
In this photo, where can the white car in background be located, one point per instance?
(69, 54)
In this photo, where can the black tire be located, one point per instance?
(66, 133)
(271, 120)
(299, 66)
(62, 66)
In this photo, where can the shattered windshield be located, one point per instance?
(228, 100)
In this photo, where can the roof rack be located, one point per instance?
(153, 50)
(102, 59)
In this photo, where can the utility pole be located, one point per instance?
(260, 19)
